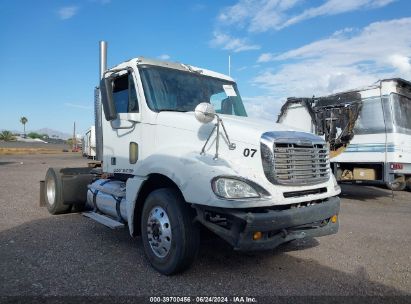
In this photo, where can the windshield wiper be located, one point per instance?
(172, 110)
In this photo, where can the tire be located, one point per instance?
(408, 183)
(397, 185)
(53, 192)
(168, 220)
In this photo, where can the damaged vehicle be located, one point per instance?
(177, 152)
(368, 131)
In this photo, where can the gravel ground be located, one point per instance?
(71, 255)
(38, 145)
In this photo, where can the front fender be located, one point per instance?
(191, 172)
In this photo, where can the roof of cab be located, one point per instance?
(172, 65)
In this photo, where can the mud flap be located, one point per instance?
(42, 202)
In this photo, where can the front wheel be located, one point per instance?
(170, 238)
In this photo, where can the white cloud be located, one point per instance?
(227, 42)
(265, 107)
(264, 15)
(78, 106)
(335, 7)
(401, 62)
(265, 57)
(257, 15)
(67, 12)
(164, 57)
(348, 60)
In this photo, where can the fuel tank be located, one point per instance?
(108, 197)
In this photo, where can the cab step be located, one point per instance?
(105, 220)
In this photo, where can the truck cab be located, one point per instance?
(178, 152)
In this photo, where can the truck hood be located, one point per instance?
(240, 129)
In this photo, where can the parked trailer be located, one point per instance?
(89, 143)
(178, 151)
(368, 130)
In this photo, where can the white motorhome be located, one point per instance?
(178, 151)
(368, 129)
(89, 143)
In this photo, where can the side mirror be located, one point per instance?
(106, 90)
(204, 112)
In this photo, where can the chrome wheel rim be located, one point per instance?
(159, 232)
(51, 191)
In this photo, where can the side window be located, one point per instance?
(225, 99)
(371, 117)
(401, 107)
(124, 94)
(215, 100)
(222, 103)
(133, 101)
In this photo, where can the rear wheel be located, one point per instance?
(408, 183)
(170, 238)
(53, 192)
(397, 184)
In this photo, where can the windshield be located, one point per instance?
(374, 116)
(174, 90)
(401, 110)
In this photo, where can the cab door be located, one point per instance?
(122, 135)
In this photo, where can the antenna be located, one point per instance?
(229, 65)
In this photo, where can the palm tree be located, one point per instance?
(24, 120)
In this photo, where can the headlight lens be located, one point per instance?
(234, 188)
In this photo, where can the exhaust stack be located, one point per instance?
(103, 58)
(97, 102)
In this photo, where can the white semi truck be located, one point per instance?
(368, 130)
(89, 143)
(178, 152)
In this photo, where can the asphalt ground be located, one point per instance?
(70, 255)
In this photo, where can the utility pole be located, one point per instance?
(74, 148)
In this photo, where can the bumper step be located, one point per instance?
(105, 220)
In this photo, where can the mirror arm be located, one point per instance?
(231, 145)
(217, 143)
(208, 139)
(205, 113)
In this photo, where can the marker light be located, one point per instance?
(257, 235)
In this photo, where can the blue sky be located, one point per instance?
(278, 48)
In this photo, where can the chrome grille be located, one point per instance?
(295, 161)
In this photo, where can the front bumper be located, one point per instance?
(237, 226)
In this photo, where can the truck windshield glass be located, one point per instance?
(401, 112)
(374, 116)
(174, 90)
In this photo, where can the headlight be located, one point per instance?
(237, 188)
